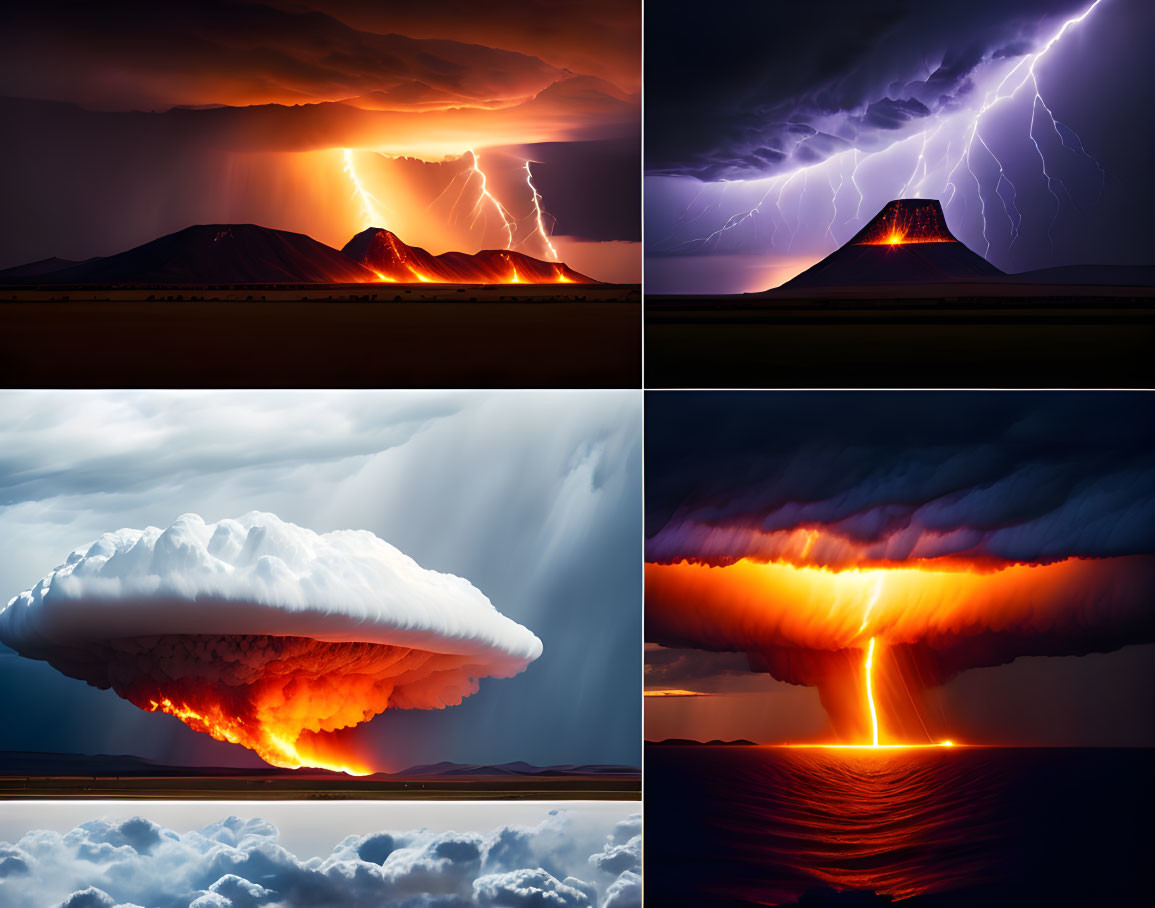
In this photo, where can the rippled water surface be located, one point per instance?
(937, 826)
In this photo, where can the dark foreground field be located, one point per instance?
(322, 337)
(1037, 337)
(67, 776)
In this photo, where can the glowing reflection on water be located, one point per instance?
(901, 822)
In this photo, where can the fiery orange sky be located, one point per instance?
(983, 560)
(326, 122)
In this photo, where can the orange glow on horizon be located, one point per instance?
(673, 692)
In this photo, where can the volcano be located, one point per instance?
(212, 254)
(907, 242)
(383, 252)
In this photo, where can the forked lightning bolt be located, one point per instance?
(952, 161)
(486, 195)
(371, 213)
(537, 212)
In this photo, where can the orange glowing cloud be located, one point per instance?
(904, 628)
(264, 634)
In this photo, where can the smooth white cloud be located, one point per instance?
(260, 575)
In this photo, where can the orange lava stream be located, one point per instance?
(291, 700)
(272, 748)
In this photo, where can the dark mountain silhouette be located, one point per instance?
(385, 254)
(249, 254)
(908, 242)
(217, 254)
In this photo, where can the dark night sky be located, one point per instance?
(991, 478)
(769, 89)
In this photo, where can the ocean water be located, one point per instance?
(973, 826)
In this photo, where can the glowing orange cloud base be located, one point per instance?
(870, 638)
(290, 700)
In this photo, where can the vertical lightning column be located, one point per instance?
(870, 690)
(875, 595)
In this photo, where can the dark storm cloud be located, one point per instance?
(569, 169)
(241, 864)
(602, 37)
(689, 668)
(1005, 477)
(136, 54)
(723, 88)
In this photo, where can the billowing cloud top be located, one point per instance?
(258, 575)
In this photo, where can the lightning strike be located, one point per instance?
(947, 163)
(486, 195)
(370, 214)
(870, 691)
(537, 211)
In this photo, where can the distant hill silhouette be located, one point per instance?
(209, 254)
(907, 242)
(383, 252)
(42, 267)
(690, 742)
(30, 763)
(215, 254)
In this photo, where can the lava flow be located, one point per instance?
(392, 260)
(906, 221)
(284, 698)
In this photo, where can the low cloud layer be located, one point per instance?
(241, 863)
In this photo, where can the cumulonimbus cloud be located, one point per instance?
(264, 633)
(952, 531)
